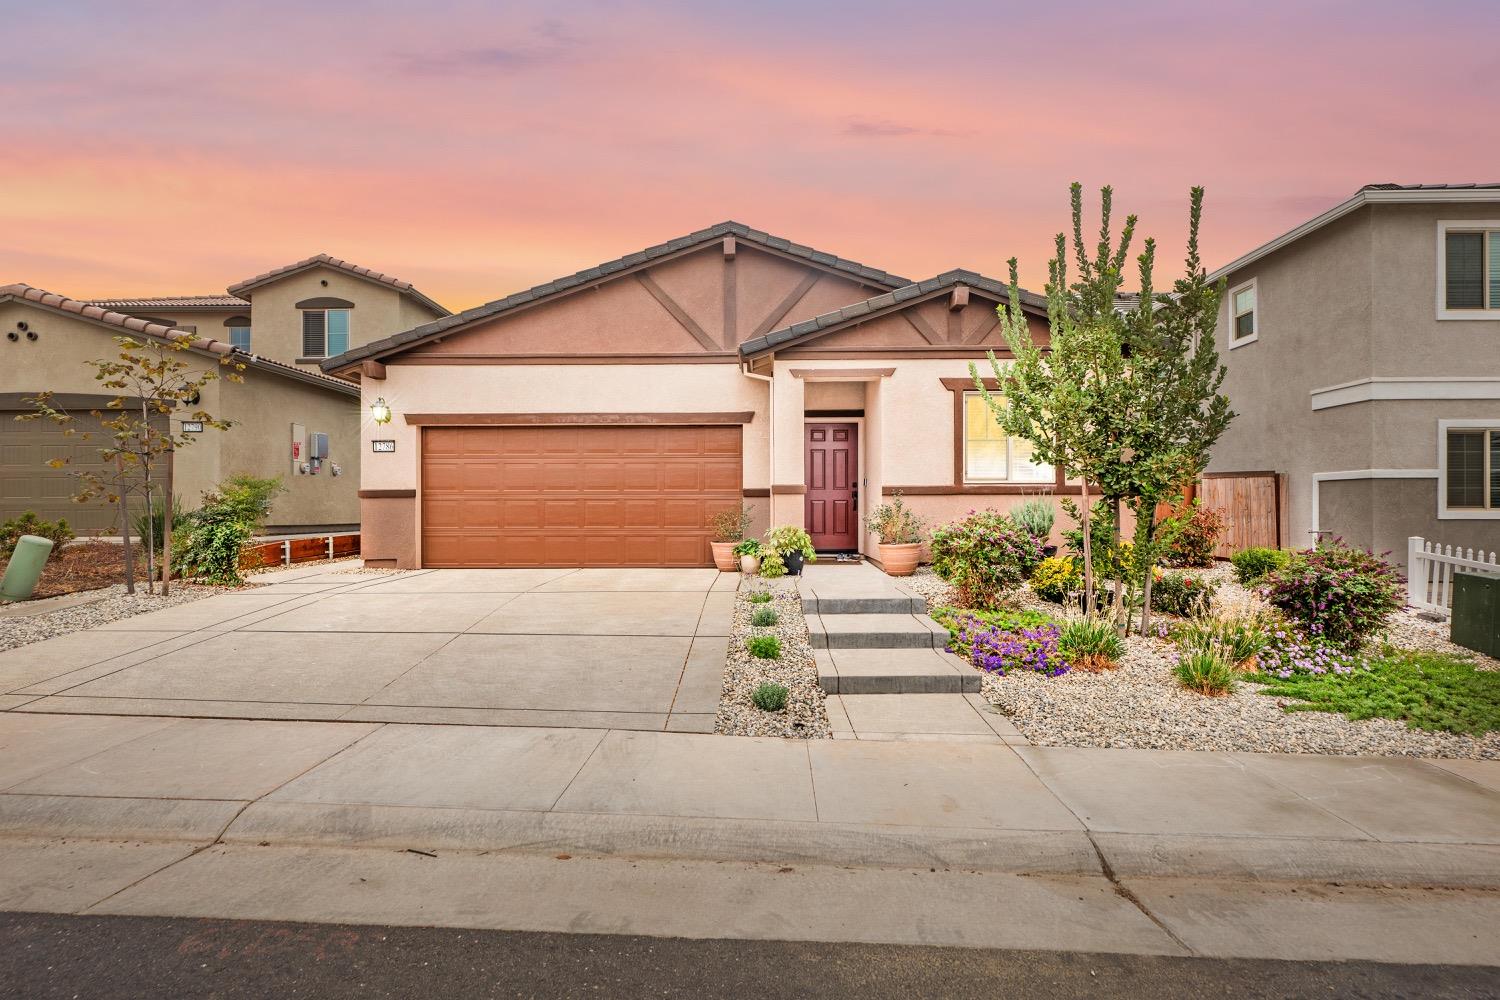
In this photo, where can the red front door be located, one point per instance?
(833, 486)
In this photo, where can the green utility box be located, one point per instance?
(25, 567)
(1476, 612)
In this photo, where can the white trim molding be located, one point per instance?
(1462, 513)
(1234, 341)
(1406, 387)
(1463, 225)
(1358, 201)
(1319, 478)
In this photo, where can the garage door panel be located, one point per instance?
(575, 496)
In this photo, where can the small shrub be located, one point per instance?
(748, 547)
(764, 647)
(1091, 643)
(730, 524)
(779, 542)
(152, 523)
(249, 498)
(769, 697)
(1056, 577)
(1238, 640)
(759, 597)
(1185, 594)
(1206, 672)
(1196, 533)
(894, 523)
(1338, 592)
(1253, 564)
(763, 617)
(1001, 650)
(984, 556)
(1035, 517)
(57, 532)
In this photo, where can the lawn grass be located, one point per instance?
(1432, 691)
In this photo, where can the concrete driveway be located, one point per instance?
(591, 648)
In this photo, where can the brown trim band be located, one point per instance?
(532, 419)
(705, 358)
(832, 413)
(841, 374)
(325, 302)
(967, 384)
(755, 491)
(787, 489)
(1259, 474)
(883, 353)
(993, 489)
(387, 494)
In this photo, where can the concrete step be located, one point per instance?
(899, 604)
(894, 671)
(877, 631)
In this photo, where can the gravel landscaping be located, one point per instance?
(1140, 704)
(805, 716)
(113, 606)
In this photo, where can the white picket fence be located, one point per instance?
(1430, 568)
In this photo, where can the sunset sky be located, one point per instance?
(480, 148)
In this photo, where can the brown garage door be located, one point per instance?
(27, 482)
(575, 496)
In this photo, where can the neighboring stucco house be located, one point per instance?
(281, 323)
(1363, 350)
(598, 420)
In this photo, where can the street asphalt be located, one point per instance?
(45, 956)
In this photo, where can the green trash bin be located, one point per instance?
(1476, 612)
(25, 567)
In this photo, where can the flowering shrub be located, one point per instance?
(984, 556)
(1289, 651)
(1000, 650)
(1185, 594)
(1253, 564)
(1056, 577)
(1337, 592)
(1197, 533)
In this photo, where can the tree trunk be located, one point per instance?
(1089, 605)
(1117, 598)
(1150, 574)
(129, 553)
(166, 530)
(150, 538)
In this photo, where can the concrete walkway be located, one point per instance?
(617, 649)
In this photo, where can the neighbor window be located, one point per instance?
(1472, 468)
(239, 332)
(325, 332)
(992, 456)
(1469, 270)
(1244, 318)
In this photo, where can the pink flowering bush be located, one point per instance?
(1336, 592)
(1290, 652)
(984, 556)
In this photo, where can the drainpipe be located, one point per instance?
(771, 429)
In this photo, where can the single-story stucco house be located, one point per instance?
(281, 324)
(599, 419)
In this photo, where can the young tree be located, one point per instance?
(150, 380)
(1127, 399)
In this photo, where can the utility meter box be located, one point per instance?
(1476, 612)
(317, 446)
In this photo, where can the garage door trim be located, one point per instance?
(603, 419)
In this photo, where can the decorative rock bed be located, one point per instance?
(114, 604)
(806, 713)
(1140, 704)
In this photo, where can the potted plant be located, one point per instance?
(900, 533)
(729, 526)
(1036, 517)
(748, 553)
(784, 551)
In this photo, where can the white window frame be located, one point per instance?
(1446, 513)
(1255, 315)
(1441, 297)
(325, 311)
(1010, 460)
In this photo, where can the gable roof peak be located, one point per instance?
(324, 259)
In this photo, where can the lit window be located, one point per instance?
(1244, 320)
(325, 332)
(990, 455)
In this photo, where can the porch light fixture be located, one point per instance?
(380, 411)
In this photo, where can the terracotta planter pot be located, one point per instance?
(749, 565)
(900, 560)
(724, 556)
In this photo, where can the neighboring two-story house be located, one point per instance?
(291, 420)
(1363, 350)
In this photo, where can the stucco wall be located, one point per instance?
(277, 322)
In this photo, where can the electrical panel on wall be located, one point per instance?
(299, 450)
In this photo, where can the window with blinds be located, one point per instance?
(325, 332)
(1473, 469)
(1471, 269)
(990, 455)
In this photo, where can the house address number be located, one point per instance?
(385, 446)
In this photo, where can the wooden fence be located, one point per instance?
(1249, 503)
(1429, 573)
(297, 550)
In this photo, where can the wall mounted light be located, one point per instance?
(380, 411)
